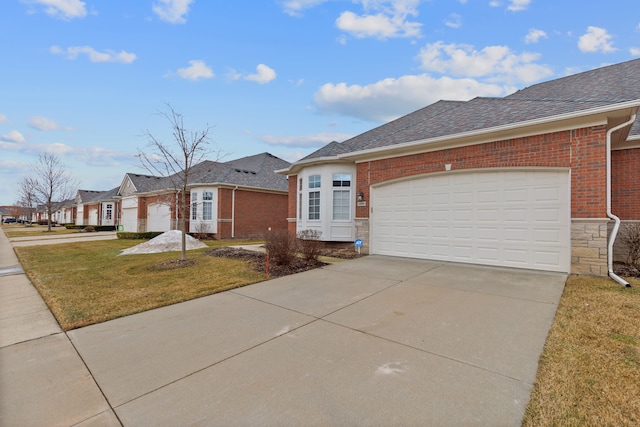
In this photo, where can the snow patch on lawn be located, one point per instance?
(166, 242)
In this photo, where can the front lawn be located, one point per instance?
(85, 283)
(589, 372)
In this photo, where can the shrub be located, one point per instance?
(631, 238)
(281, 247)
(89, 229)
(310, 245)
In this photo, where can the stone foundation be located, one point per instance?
(362, 233)
(589, 246)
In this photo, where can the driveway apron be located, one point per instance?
(373, 341)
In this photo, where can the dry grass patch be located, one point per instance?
(85, 283)
(20, 230)
(589, 372)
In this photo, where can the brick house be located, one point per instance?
(532, 180)
(241, 198)
(95, 207)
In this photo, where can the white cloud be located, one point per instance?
(495, 3)
(534, 35)
(63, 9)
(263, 74)
(453, 21)
(391, 98)
(56, 148)
(73, 52)
(382, 19)
(172, 11)
(3, 119)
(635, 51)
(518, 5)
(596, 39)
(305, 141)
(43, 123)
(13, 136)
(295, 7)
(196, 70)
(493, 63)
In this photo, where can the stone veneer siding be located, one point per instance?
(589, 246)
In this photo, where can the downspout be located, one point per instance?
(610, 214)
(233, 213)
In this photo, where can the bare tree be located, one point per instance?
(27, 199)
(50, 184)
(175, 160)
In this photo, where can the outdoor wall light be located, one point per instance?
(360, 196)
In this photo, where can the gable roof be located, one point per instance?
(257, 171)
(252, 171)
(92, 196)
(615, 85)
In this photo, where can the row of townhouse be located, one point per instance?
(241, 198)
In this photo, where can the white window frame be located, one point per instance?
(194, 206)
(341, 185)
(314, 210)
(207, 205)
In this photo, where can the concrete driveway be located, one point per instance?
(374, 341)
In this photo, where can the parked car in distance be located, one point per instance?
(9, 220)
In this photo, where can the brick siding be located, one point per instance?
(625, 183)
(255, 213)
(582, 150)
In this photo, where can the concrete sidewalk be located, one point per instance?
(43, 380)
(372, 341)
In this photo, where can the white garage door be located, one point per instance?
(158, 217)
(513, 218)
(93, 216)
(130, 219)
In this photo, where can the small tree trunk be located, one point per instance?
(183, 225)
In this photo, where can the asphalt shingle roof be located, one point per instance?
(591, 89)
(251, 171)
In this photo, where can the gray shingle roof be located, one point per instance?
(93, 196)
(145, 183)
(251, 171)
(591, 89)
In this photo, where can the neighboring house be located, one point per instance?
(97, 207)
(520, 181)
(6, 212)
(63, 211)
(241, 198)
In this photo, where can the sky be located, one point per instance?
(89, 80)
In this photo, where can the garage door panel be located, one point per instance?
(509, 218)
(159, 217)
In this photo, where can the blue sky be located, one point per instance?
(86, 79)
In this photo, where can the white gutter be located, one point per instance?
(233, 213)
(610, 214)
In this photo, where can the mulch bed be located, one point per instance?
(173, 264)
(258, 261)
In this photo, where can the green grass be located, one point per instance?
(87, 282)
